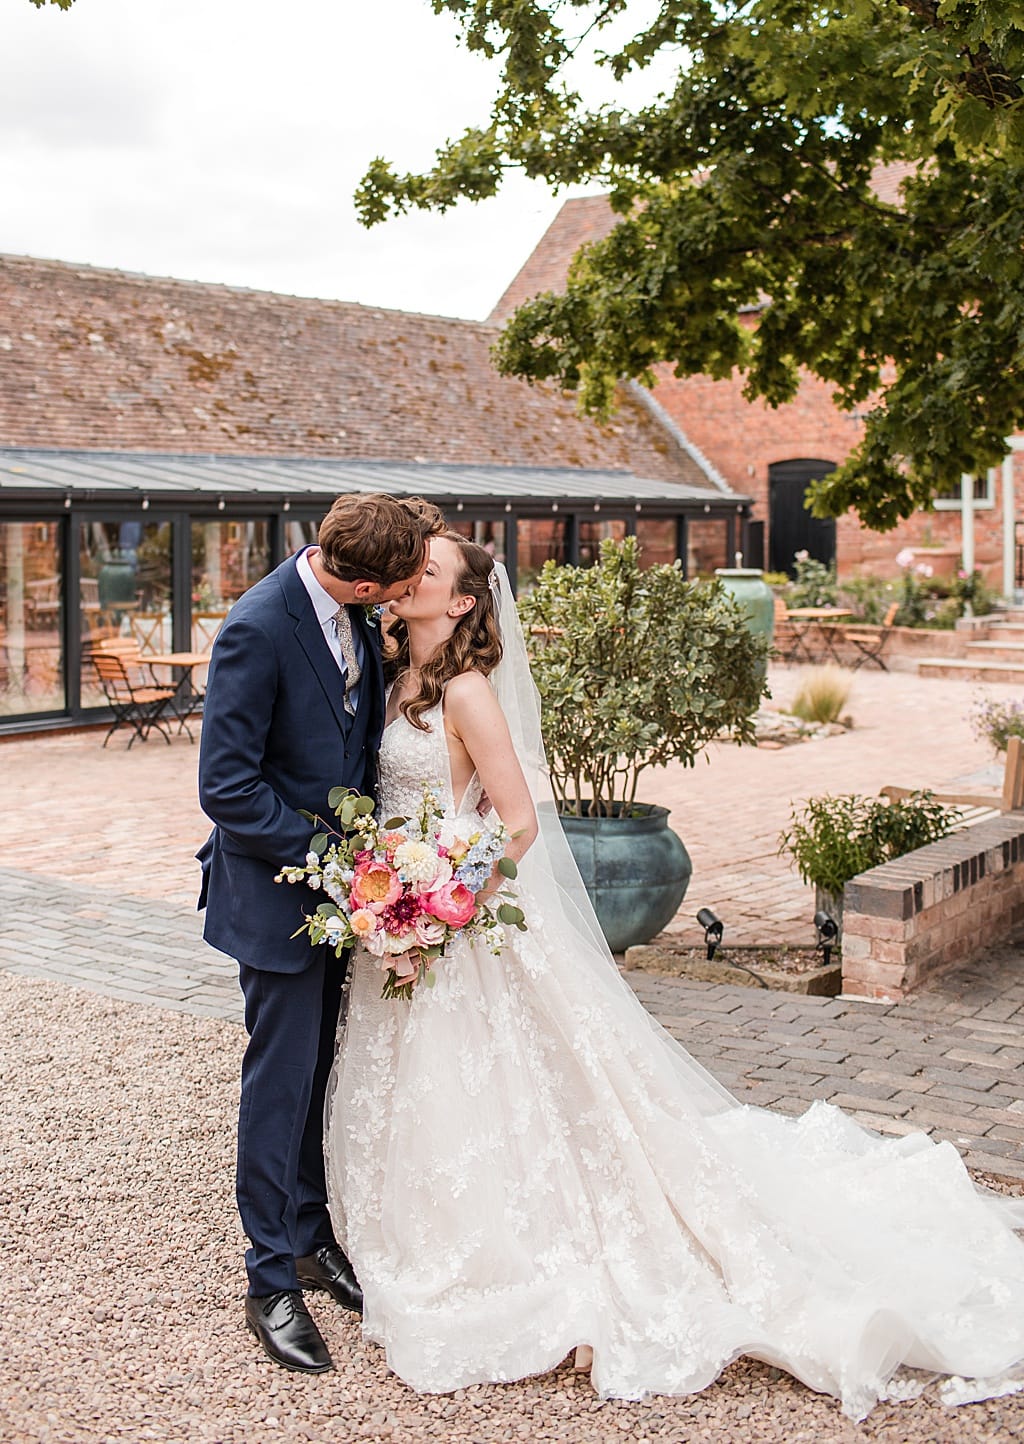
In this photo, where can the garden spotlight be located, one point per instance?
(828, 935)
(713, 930)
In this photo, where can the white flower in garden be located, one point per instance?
(417, 862)
(905, 558)
(924, 570)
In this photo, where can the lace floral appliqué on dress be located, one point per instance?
(520, 1160)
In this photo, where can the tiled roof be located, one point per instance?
(591, 218)
(104, 360)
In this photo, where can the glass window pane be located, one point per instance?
(706, 543)
(657, 539)
(488, 534)
(593, 532)
(31, 635)
(539, 540)
(125, 589)
(228, 557)
(299, 534)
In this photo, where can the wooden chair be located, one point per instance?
(979, 805)
(871, 644)
(205, 626)
(785, 638)
(134, 701)
(148, 630)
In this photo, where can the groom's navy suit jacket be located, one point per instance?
(276, 738)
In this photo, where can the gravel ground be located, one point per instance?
(122, 1279)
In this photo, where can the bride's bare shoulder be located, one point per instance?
(469, 690)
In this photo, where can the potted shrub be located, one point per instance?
(832, 839)
(636, 668)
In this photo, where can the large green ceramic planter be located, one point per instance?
(749, 588)
(635, 869)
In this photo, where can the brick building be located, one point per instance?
(164, 443)
(772, 454)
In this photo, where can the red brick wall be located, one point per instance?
(744, 438)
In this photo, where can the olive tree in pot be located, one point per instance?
(834, 839)
(636, 668)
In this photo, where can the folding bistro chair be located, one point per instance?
(871, 645)
(134, 702)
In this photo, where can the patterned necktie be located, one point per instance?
(343, 627)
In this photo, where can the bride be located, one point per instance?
(521, 1161)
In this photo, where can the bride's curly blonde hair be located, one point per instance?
(474, 645)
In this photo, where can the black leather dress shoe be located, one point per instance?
(283, 1326)
(330, 1270)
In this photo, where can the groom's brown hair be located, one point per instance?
(377, 538)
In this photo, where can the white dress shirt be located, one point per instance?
(325, 607)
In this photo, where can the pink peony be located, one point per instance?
(375, 886)
(453, 904)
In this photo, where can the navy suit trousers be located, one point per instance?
(291, 1019)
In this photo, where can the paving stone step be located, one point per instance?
(970, 670)
(993, 649)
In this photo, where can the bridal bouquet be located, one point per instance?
(406, 887)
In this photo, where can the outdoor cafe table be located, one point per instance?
(814, 635)
(189, 699)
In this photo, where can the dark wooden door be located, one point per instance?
(792, 528)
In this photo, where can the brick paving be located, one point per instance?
(97, 888)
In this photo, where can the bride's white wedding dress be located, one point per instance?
(521, 1160)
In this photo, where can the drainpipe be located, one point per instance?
(967, 526)
(1009, 535)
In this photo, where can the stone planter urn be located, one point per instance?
(635, 869)
(944, 561)
(749, 588)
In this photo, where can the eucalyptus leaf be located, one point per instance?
(318, 843)
(507, 867)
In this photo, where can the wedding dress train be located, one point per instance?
(521, 1161)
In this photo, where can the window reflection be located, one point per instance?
(592, 533)
(539, 540)
(228, 557)
(706, 547)
(31, 648)
(657, 540)
(125, 589)
(488, 534)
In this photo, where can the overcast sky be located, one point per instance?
(221, 140)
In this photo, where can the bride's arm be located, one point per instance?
(475, 721)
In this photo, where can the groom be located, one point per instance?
(294, 706)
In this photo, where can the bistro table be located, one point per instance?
(189, 698)
(814, 636)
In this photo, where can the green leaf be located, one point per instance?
(394, 824)
(509, 914)
(363, 806)
(318, 843)
(336, 796)
(507, 867)
(309, 816)
(430, 978)
(328, 910)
